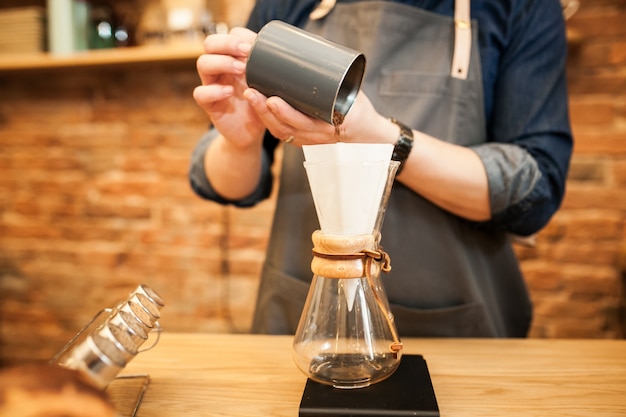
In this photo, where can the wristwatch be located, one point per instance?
(404, 144)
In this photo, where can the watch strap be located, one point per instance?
(403, 145)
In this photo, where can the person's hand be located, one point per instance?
(221, 95)
(242, 114)
(362, 123)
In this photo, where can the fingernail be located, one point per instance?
(245, 47)
(272, 106)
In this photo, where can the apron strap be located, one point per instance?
(462, 39)
(322, 9)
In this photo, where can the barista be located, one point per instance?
(479, 91)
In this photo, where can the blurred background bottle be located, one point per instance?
(67, 26)
(101, 25)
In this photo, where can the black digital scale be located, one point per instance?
(407, 392)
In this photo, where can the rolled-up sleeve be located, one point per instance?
(529, 143)
(202, 187)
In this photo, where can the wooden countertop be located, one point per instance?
(250, 375)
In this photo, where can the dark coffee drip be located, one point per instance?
(338, 119)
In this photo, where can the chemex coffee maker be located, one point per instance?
(346, 336)
(346, 342)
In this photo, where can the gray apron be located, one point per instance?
(448, 278)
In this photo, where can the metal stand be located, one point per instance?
(142, 390)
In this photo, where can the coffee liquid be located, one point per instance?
(337, 121)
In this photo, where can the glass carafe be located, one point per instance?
(346, 336)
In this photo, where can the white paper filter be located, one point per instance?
(347, 182)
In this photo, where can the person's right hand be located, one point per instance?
(222, 72)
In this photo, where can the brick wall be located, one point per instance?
(94, 200)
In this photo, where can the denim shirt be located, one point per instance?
(523, 52)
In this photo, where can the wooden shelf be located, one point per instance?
(102, 57)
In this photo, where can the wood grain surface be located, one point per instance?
(251, 375)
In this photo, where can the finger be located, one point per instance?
(227, 44)
(206, 95)
(245, 34)
(209, 67)
(276, 127)
(306, 129)
(287, 114)
(257, 101)
(283, 110)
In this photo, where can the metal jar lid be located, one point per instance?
(152, 295)
(118, 335)
(150, 307)
(131, 324)
(140, 314)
